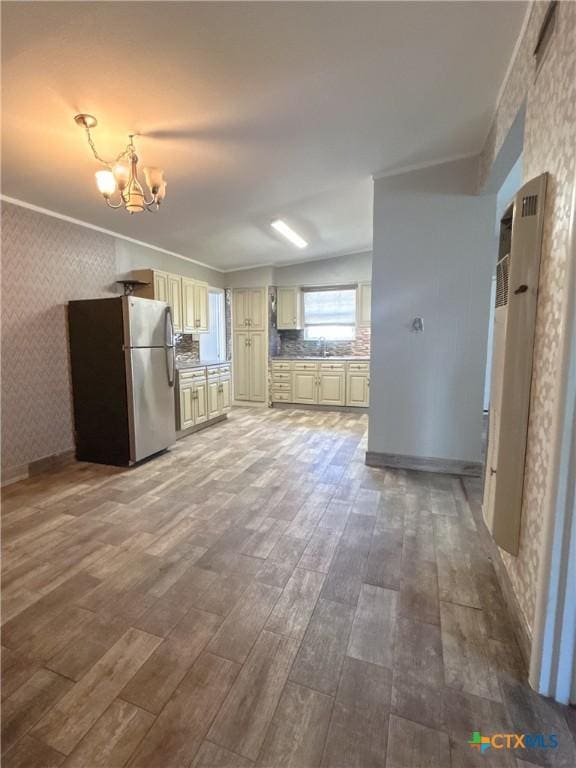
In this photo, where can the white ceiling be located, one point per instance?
(255, 110)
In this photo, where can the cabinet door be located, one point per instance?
(201, 306)
(363, 304)
(225, 398)
(175, 301)
(186, 407)
(240, 308)
(189, 311)
(331, 390)
(289, 308)
(200, 403)
(357, 389)
(241, 366)
(213, 398)
(306, 387)
(160, 286)
(257, 306)
(258, 365)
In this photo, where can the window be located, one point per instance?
(330, 313)
(213, 343)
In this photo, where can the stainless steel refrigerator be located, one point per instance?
(123, 369)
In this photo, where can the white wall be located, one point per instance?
(250, 278)
(131, 256)
(340, 270)
(434, 249)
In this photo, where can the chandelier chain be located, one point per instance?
(128, 152)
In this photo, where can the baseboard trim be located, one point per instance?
(307, 407)
(423, 464)
(521, 629)
(24, 471)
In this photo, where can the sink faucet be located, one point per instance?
(323, 351)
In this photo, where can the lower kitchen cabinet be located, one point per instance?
(358, 389)
(331, 388)
(203, 395)
(250, 366)
(305, 387)
(307, 382)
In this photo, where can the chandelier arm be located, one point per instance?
(112, 205)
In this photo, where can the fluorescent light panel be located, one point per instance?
(287, 232)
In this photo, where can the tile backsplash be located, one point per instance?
(187, 348)
(293, 344)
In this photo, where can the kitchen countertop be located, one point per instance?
(320, 358)
(183, 365)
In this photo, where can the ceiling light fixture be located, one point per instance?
(125, 179)
(287, 232)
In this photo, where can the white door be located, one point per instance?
(357, 390)
(225, 399)
(257, 304)
(306, 387)
(186, 407)
(288, 313)
(200, 403)
(201, 305)
(242, 359)
(175, 301)
(241, 308)
(213, 398)
(258, 359)
(161, 286)
(188, 305)
(331, 390)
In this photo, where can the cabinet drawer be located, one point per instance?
(359, 366)
(281, 387)
(281, 365)
(224, 370)
(332, 366)
(194, 375)
(282, 397)
(281, 376)
(301, 365)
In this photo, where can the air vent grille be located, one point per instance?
(502, 269)
(529, 205)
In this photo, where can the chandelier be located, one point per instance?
(121, 175)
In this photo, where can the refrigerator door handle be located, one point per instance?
(171, 365)
(170, 348)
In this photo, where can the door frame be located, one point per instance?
(553, 652)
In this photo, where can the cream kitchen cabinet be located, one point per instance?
(331, 386)
(358, 389)
(195, 306)
(363, 305)
(175, 301)
(249, 309)
(188, 298)
(250, 366)
(203, 395)
(326, 382)
(289, 309)
(193, 401)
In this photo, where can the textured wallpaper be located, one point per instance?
(45, 262)
(549, 145)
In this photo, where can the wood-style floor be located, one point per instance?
(257, 596)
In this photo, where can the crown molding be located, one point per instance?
(422, 166)
(87, 225)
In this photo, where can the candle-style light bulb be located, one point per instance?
(106, 182)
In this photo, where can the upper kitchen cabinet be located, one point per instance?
(187, 298)
(194, 306)
(363, 302)
(249, 307)
(289, 309)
